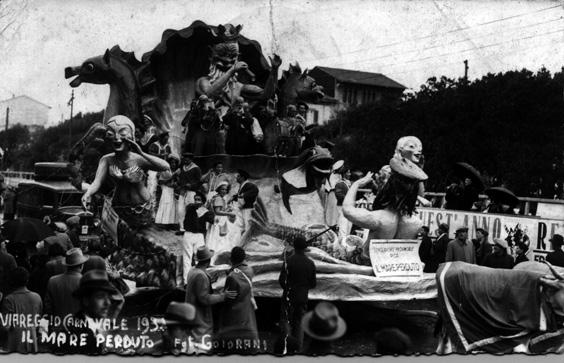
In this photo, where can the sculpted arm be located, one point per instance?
(204, 86)
(100, 177)
(359, 216)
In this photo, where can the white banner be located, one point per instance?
(110, 220)
(539, 230)
(395, 258)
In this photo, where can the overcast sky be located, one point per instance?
(408, 41)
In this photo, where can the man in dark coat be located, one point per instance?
(482, 245)
(59, 299)
(427, 251)
(240, 140)
(297, 277)
(499, 257)
(99, 299)
(556, 257)
(520, 251)
(199, 293)
(237, 319)
(24, 303)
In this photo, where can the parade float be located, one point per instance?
(156, 93)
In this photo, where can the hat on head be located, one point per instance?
(461, 229)
(501, 243)
(61, 227)
(178, 313)
(204, 253)
(72, 221)
(557, 239)
(94, 280)
(407, 168)
(484, 232)
(444, 227)
(324, 322)
(300, 243)
(221, 184)
(74, 257)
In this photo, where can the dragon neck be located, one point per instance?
(124, 94)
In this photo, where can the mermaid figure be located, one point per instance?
(127, 168)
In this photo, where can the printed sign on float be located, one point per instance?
(395, 258)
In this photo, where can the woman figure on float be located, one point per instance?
(225, 232)
(127, 168)
(393, 208)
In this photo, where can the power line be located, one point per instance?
(451, 43)
(439, 34)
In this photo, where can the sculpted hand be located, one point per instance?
(86, 201)
(240, 66)
(275, 61)
(134, 146)
(366, 179)
(116, 172)
(230, 294)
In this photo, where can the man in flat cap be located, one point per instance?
(460, 248)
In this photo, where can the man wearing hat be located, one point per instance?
(499, 258)
(199, 293)
(297, 277)
(460, 248)
(98, 299)
(247, 195)
(58, 298)
(482, 245)
(177, 338)
(323, 325)
(556, 257)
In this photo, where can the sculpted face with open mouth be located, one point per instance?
(119, 131)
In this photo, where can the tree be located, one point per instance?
(506, 124)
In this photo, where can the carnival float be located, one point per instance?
(156, 93)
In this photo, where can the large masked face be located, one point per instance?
(119, 128)
(225, 55)
(411, 148)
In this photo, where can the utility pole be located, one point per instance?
(71, 104)
(7, 117)
(466, 70)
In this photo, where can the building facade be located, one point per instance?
(23, 110)
(344, 88)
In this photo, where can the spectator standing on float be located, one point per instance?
(520, 250)
(247, 196)
(195, 230)
(240, 140)
(166, 212)
(499, 258)
(460, 249)
(212, 179)
(256, 130)
(237, 319)
(297, 277)
(556, 257)
(59, 300)
(482, 245)
(21, 302)
(188, 181)
(199, 293)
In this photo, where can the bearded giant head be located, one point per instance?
(226, 53)
(410, 148)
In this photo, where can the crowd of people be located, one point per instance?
(499, 253)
